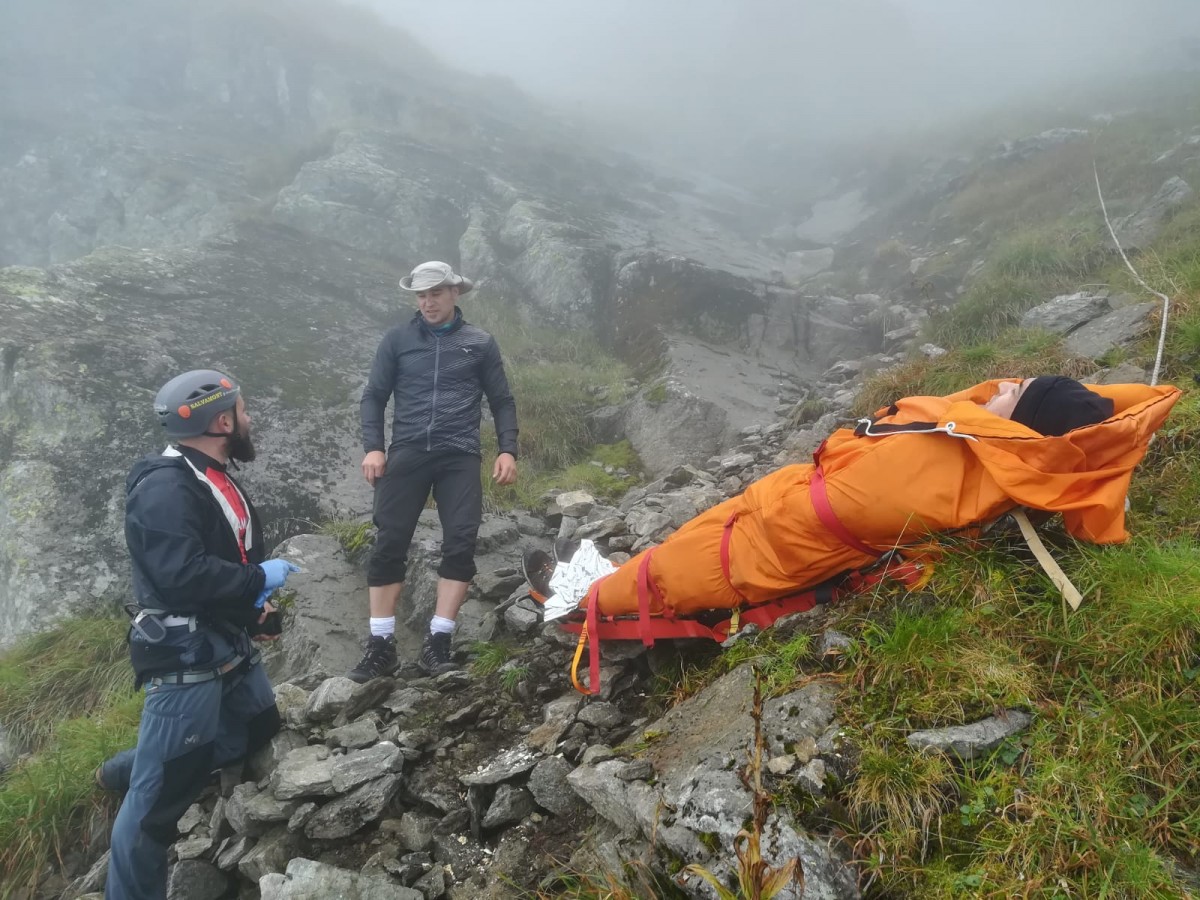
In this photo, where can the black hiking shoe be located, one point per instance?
(537, 567)
(564, 549)
(435, 654)
(380, 659)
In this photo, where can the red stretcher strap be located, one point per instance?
(593, 629)
(820, 502)
(630, 629)
(593, 619)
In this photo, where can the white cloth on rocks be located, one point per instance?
(573, 579)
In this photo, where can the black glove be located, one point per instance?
(272, 625)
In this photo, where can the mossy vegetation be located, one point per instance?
(558, 378)
(357, 536)
(66, 697)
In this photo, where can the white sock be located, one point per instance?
(382, 627)
(441, 625)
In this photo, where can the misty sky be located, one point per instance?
(770, 66)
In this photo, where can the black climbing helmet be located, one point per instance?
(187, 404)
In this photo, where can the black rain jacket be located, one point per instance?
(436, 383)
(185, 556)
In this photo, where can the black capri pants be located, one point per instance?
(400, 495)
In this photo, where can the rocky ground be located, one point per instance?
(499, 779)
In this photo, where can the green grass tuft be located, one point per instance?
(489, 656)
(64, 672)
(1015, 354)
(357, 536)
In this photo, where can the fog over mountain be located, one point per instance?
(694, 78)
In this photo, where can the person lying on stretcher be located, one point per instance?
(1049, 405)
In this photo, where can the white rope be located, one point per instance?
(1162, 336)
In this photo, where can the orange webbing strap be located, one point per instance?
(589, 636)
(583, 639)
(820, 502)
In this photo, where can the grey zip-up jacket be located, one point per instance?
(436, 383)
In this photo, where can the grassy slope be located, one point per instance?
(1101, 798)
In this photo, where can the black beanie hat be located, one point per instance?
(1053, 405)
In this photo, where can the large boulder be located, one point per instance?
(86, 346)
(309, 880)
(394, 200)
(1138, 230)
(698, 748)
(1115, 329)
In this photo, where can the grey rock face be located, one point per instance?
(553, 260)
(1023, 148)
(601, 715)
(305, 772)
(576, 504)
(360, 766)
(627, 804)
(802, 265)
(92, 880)
(1140, 229)
(270, 854)
(416, 831)
(347, 814)
(362, 733)
(329, 699)
(509, 806)
(263, 811)
(522, 617)
(309, 880)
(550, 789)
(194, 879)
(130, 305)
(264, 762)
(232, 850)
(235, 806)
(974, 740)
(371, 197)
(291, 701)
(326, 622)
(1066, 312)
(1111, 330)
(703, 741)
(509, 764)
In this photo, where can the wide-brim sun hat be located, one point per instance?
(430, 275)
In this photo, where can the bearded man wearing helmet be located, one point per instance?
(202, 587)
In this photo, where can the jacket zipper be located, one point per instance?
(437, 355)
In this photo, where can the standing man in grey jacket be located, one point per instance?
(435, 368)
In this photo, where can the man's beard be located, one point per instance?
(241, 446)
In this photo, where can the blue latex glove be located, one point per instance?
(262, 598)
(277, 572)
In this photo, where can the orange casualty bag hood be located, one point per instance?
(922, 466)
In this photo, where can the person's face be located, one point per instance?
(437, 304)
(1006, 398)
(239, 444)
